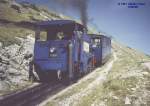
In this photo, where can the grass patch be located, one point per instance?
(113, 102)
(29, 12)
(90, 98)
(121, 84)
(11, 14)
(8, 13)
(8, 34)
(101, 93)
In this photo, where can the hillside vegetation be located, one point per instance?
(17, 40)
(123, 81)
(25, 11)
(12, 13)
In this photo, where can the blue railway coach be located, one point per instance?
(101, 48)
(62, 49)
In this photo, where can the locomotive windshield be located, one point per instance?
(53, 35)
(59, 35)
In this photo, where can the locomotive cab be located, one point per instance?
(58, 49)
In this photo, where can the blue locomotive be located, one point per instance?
(64, 50)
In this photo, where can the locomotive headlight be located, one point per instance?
(52, 50)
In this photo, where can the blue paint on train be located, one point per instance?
(65, 50)
(101, 48)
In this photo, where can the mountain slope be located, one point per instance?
(14, 16)
(124, 80)
(17, 41)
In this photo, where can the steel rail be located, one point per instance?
(32, 96)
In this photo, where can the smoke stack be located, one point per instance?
(83, 6)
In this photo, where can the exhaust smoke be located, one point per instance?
(80, 6)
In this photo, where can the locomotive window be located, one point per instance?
(59, 35)
(96, 42)
(41, 35)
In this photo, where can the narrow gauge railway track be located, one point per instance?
(32, 96)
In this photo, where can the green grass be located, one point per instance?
(8, 34)
(101, 92)
(29, 13)
(129, 60)
(121, 84)
(121, 87)
(8, 13)
(11, 14)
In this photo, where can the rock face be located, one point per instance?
(15, 73)
(1, 45)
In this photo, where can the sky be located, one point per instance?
(130, 26)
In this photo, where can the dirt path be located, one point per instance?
(74, 99)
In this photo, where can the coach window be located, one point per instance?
(97, 42)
